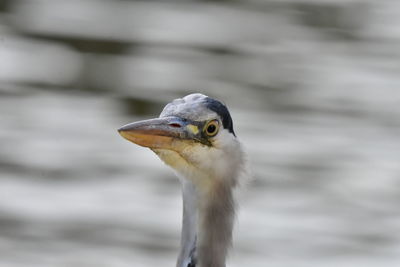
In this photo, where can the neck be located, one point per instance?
(207, 225)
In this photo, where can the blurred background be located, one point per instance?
(313, 88)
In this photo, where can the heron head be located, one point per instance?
(195, 136)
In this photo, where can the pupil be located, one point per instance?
(211, 128)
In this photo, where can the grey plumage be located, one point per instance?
(194, 135)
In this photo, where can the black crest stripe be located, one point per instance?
(222, 111)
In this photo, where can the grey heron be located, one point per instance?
(194, 135)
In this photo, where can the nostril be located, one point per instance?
(175, 125)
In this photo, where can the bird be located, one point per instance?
(194, 135)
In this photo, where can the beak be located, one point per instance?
(160, 133)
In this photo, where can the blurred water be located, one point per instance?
(313, 90)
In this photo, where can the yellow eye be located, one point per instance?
(212, 128)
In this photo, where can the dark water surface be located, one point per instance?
(313, 89)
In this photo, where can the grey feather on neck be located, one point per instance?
(207, 225)
(187, 254)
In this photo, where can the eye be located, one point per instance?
(212, 128)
